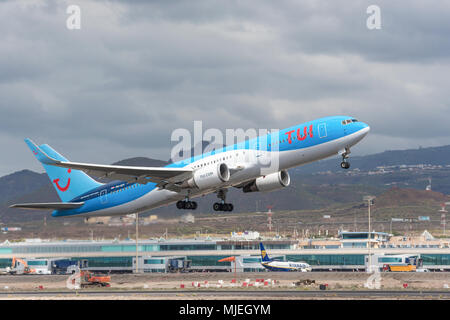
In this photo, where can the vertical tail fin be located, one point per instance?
(264, 255)
(68, 183)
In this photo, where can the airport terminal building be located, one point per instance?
(202, 255)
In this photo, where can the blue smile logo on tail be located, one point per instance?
(62, 189)
(68, 183)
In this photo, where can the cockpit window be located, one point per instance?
(344, 122)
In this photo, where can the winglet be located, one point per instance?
(40, 155)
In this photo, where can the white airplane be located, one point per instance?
(273, 265)
(140, 189)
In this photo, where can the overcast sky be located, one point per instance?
(137, 70)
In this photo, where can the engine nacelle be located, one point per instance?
(270, 182)
(208, 177)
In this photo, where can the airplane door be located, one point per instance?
(322, 130)
(103, 196)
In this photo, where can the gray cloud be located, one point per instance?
(138, 70)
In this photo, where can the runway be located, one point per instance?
(205, 286)
(228, 294)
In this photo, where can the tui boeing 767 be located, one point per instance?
(243, 165)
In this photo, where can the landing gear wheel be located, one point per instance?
(344, 153)
(345, 165)
(180, 204)
(223, 206)
(188, 205)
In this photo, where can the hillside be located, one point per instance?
(351, 216)
(431, 155)
(21, 183)
(410, 197)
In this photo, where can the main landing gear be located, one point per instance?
(222, 206)
(187, 204)
(345, 164)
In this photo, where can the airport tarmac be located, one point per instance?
(276, 285)
(227, 295)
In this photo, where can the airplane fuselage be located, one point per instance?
(286, 266)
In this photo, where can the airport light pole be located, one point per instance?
(137, 248)
(369, 200)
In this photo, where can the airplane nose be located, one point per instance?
(364, 128)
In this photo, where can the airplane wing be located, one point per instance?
(143, 175)
(48, 205)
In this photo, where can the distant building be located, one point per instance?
(361, 239)
(150, 219)
(204, 255)
(6, 229)
(97, 220)
(187, 218)
(246, 235)
(379, 240)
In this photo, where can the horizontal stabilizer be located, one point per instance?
(48, 205)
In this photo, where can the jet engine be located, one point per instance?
(209, 176)
(270, 182)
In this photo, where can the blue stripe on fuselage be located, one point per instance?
(109, 195)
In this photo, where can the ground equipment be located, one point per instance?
(19, 266)
(87, 279)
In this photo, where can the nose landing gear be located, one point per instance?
(344, 153)
(345, 165)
